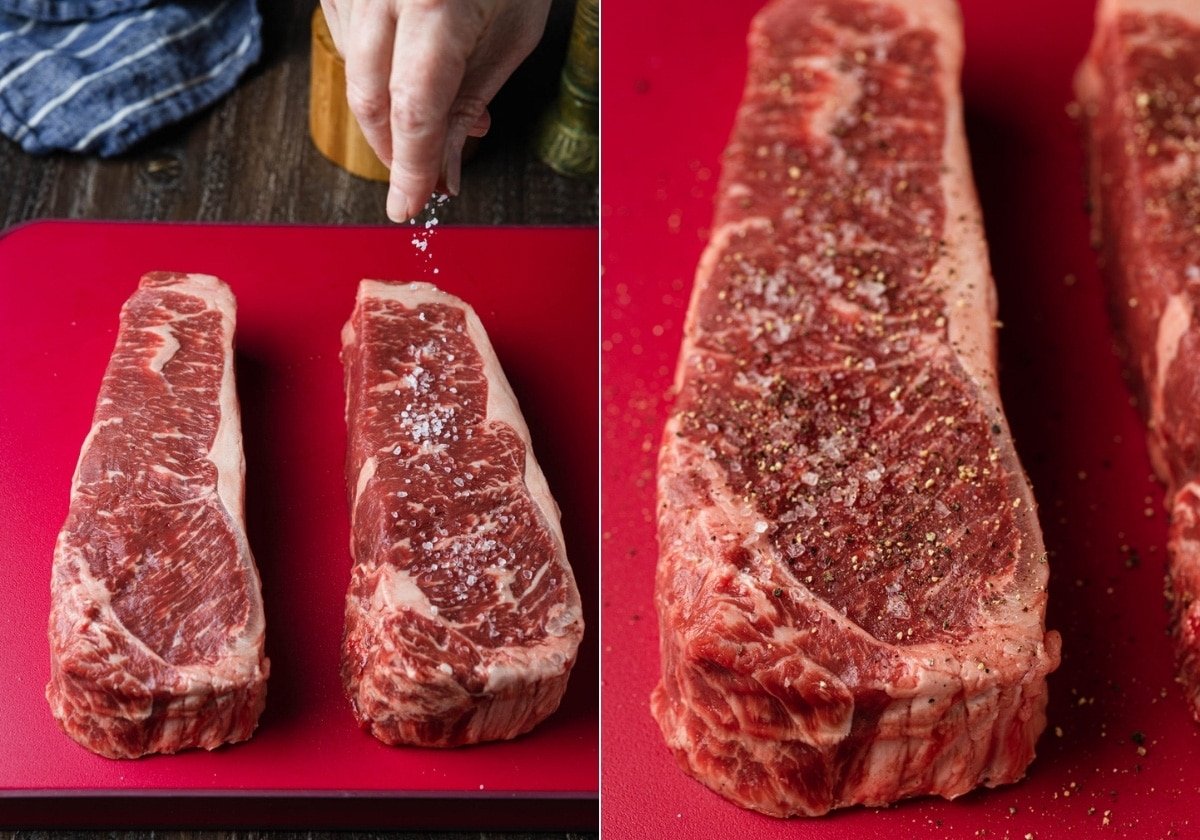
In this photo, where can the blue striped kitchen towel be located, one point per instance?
(97, 76)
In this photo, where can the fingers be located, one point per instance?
(450, 179)
(419, 76)
(469, 117)
(369, 39)
(428, 64)
(481, 126)
(509, 39)
(329, 7)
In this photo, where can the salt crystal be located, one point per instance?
(760, 527)
(445, 668)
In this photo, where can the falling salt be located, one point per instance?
(445, 668)
(425, 226)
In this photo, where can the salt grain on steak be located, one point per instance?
(462, 618)
(851, 582)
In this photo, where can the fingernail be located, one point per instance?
(480, 127)
(397, 205)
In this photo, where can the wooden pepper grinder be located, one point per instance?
(334, 130)
(569, 139)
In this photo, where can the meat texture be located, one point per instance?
(156, 618)
(1140, 90)
(851, 580)
(462, 617)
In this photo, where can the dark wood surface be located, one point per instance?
(249, 157)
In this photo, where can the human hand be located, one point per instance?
(420, 75)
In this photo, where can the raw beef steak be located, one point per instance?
(1140, 88)
(462, 618)
(156, 620)
(851, 582)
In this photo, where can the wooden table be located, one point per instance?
(249, 159)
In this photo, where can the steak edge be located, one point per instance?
(462, 616)
(851, 577)
(1140, 99)
(156, 620)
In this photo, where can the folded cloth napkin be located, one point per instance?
(97, 76)
(69, 9)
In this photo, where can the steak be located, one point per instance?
(851, 577)
(462, 616)
(156, 619)
(1139, 89)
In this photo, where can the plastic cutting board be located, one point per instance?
(308, 765)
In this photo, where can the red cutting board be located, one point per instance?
(672, 79)
(61, 286)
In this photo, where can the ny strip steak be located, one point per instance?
(851, 577)
(462, 616)
(156, 618)
(1140, 91)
